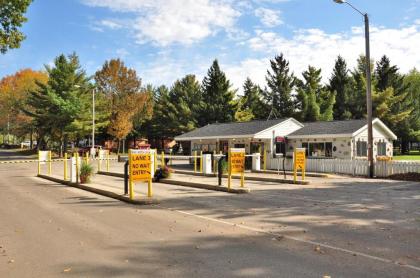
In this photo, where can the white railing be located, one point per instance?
(347, 166)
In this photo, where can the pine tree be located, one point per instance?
(391, 100)
(315, 102)
(57, 105)
(340, 83)
(252, 102)
(280, 86)
(217, 97)
(357, 98)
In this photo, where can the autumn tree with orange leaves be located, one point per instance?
(14, 91)
(126, 97)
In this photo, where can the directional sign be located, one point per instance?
(140, 165)
(237, 160)
(300, 159)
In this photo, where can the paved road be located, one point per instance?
(340, 228)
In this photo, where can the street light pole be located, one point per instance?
(368, 88)
(93, 150)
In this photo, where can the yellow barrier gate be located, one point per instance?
(236, 164)
(140, 169)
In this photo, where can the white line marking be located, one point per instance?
(384, 260)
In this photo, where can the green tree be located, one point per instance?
(340, 83)
(357, 98)
(315, 102)
(412, 83)
(218, 103)
(280, 83)
(252, 101)
(62, 101)
(11, 19)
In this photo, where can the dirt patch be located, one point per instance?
(412, 176)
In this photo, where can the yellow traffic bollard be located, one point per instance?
(130, 184)
(50, 163)
(65, 166)
(162, 162)
(99, 163)
(87, 157)
(242, 179)
(201, 162)
(214, 162)
(149, 188)
(170, 158)
(195, 161)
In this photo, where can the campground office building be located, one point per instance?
(324, 139)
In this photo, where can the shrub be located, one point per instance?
(86, 172)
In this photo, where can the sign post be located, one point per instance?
(236, 164)
(299, 163)
(102, 155)
(140, 169)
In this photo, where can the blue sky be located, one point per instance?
(166, 39)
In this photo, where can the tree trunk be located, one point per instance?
(66, 141)
(404, 146)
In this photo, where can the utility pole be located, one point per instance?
(368, 88)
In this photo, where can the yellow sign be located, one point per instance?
(299, 162)
(140, 166)
(237, 162)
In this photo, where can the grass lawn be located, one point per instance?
(414, 155)
(407, 157)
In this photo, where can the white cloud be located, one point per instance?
(269, 18)
(320, 49)
(174, 21)
(110, 24)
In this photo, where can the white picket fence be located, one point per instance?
(349, 167)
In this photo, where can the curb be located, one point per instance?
(276, 180)
(314, 175)
(103, 192)
(188, 184)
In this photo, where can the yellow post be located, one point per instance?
(49, 163)
(195, 161)
(39, 163)
(149, 188)
(77, 167)
(130, 184)
(265, 160)
(242, 179)
(65, 166)
(201, 162)
(170, 158)
(87, 157)
(155, 160)
(162, 158)
(107, 161)
(229, 170)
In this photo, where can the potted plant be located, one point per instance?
(86, 172)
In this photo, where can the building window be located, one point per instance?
(381, 148)
(314, 149)
(361, 147)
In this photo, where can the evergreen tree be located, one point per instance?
(217, 97)
(340, 83)
(391, 100)
(357, 98)
(315, 102)
(280, 86)
(251, 101)
(62, 101)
